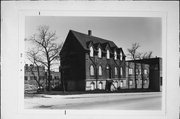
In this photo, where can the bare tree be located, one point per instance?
(147, 55)
(133, 54)
(33, 57)
(49, 50)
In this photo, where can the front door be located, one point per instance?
(108, 72)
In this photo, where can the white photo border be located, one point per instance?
(129, 9)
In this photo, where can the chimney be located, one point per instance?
(89, 32)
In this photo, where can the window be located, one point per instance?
(115, 71)
(108, 54)
(92, 85)
(107, 67)
(91, 70)
(100, 85)
(137, 71)
(130, 71)
(121, 84)
(145, 71)
(130, 83)
(137, 81)
(140, 71)
(116, 84)
(120, 56)
(31, 77)
(115, 55)
(100, 70)
(145, 81)
(99, 53)
(91, 51)
(121, 71)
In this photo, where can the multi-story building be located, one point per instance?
(137, 75)
(31, 72)
(154, 71)
(89, 63)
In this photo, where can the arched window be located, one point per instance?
(100, 70)
(130, 82)
(115, 71)
(130, 71)
(108, 54)
(145, 71)
(116, 84)
(99, 53)
(121, 84)
(145, 81)
(100, 85)
(121, 56)
(121, 71)
(115, 55)
(140, 71)
(92, 85)
(91, 51)
(91, 70)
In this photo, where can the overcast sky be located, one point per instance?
(122, 30)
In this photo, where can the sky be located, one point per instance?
(123, 31)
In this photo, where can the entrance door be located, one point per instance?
(108, 72)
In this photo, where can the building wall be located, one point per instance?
(142, 78)
(56, 79)
(99, 81)
(29, 70)
(155, 72)
(73, 65)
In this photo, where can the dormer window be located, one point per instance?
(91, 51)
(115, 55)
(107, 54)
(121, 56)
(99, 53)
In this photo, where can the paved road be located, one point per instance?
(117, 101)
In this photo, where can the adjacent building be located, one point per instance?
(154, 71)
(31, 74)
(137, 75)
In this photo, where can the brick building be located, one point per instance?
(56, 79)
(31, 73)
(155, 72)
(140, 80)
(89, 63)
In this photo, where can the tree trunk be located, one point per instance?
(135, 75)
(49, 77)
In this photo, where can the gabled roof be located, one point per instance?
(85, 39)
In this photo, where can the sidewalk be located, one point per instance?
(79, 94)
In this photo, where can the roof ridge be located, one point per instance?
(105, 40)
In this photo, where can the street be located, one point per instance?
(108, 101)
